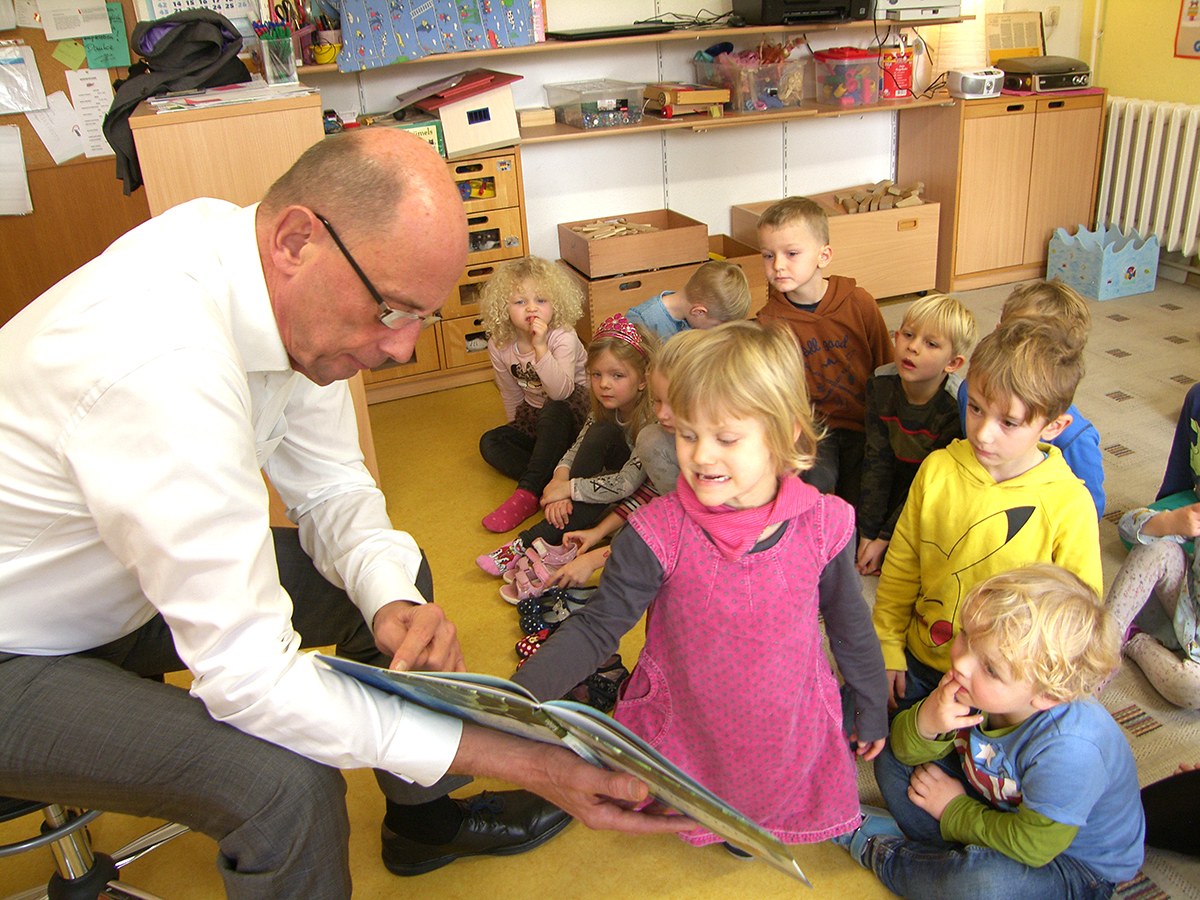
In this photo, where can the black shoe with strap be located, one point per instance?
(495, 823)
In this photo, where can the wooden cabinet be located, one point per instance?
(1007, 171)
(454, 352)
(245, 148)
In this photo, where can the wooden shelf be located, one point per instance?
(679, 34)
(809, 110)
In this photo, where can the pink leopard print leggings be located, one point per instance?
(1155, 571)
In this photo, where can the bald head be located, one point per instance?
(362, 180)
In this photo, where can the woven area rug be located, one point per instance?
(1142, 356)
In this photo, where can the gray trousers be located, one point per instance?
(96, 730)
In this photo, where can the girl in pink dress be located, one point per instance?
(735, 567)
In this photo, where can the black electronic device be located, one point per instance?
(798, 12)
(610, 31)
(1044, 73)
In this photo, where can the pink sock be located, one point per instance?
(512, 512)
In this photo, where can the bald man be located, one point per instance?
(139, 399)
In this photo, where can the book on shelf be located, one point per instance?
(676, 93)
(505, 706)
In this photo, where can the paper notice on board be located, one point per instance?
(14, 180)
(1014, 35)
(20, 82)
(8, 15)
(58, 127)
(63, 19)
(108, 51)
(91, 95)
(27, 14)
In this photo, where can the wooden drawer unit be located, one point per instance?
(464, 343)
(464, 299)
(494, 235)
(486, 183)
(454, 352)
(425, 358)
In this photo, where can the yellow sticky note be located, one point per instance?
(71, 53)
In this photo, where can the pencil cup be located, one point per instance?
(278, 60)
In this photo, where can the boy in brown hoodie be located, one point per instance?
(840, 329)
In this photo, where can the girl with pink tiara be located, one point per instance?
(599, 469)
(735, 567)
(530, 307)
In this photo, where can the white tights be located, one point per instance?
(1159, 571)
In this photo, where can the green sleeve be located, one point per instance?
(1024, 835)
(907, 744)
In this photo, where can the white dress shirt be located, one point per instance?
(139, 398)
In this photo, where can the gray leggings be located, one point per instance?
(1157, 572)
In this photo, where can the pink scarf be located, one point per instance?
(736, 531)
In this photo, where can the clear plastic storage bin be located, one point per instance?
(751, 87)
(846, 76)
(601, 103)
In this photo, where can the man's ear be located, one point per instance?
(1055, 428)
(825, 257)
(957, 363)
(293, 231)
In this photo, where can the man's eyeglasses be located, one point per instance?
(392, 318)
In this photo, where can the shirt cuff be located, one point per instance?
(426, 759)
(382, 585)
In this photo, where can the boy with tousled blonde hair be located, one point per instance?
(840, 329)
(911, 411)
(1000, 498)
(1055, 303)
(717, 292)
(1010, 780)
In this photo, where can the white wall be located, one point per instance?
(698, 174)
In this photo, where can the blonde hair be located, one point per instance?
(944, 315)
(1054, 301)
(672, 350)
(747, 370)
(796, 211)
(1029, 359)
(550, 281)
(1048, 626)
(639, 362)
(720, 287)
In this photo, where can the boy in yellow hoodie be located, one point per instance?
(1003, 497)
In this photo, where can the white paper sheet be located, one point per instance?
(8, 15)
(91, 95)
(14, 181)
(27, 14)
(20, 82)
(73, 18)
(58, 127)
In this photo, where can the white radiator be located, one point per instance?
(1150, 179)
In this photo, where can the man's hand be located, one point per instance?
(596, 797)
(418, 636)
(932, 789)
(870, 555)
(896, 687)
(942, 712)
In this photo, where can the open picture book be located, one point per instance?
(502, 705)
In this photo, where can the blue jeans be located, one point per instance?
(926, 867)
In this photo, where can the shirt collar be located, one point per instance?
(252, 320)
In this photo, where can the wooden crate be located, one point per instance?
(606, 296)
(888, 252)
(679, 240)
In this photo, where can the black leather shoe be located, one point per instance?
(499, 823)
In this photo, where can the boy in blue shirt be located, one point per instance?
(717, 292)
(1079, 440)
(1010, 780)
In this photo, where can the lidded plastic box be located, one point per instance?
(763, 86)
(847, 76)
(600, 103)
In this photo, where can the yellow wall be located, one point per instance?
(1136, 56)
